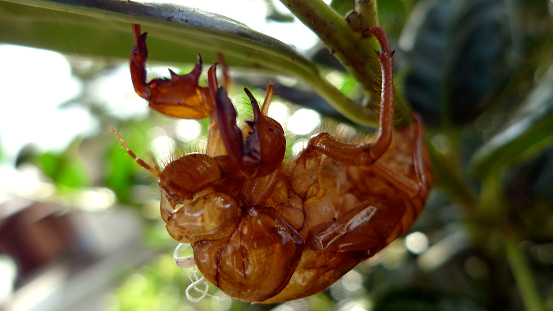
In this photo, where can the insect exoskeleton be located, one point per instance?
(267, 230)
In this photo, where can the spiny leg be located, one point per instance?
(364, 154)
(420, 186)
(215, 146)
(379, 220)
(419, 162)
(223, 64)
(180, 96)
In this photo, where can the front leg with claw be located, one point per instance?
(263, 150)
(180, 96)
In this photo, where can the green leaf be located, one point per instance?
(102, 28)
(177, 34)
(462, 53)
(529, 191)
(528, 132)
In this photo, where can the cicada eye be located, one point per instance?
(188, 174)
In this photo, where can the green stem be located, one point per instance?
(353, 49)
(523, 276)
(367, 12)
(344, 105)
(491, 198)
(346, 44)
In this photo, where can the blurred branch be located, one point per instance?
(523, 276)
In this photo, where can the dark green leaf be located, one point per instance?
(528, 132)
(462, 55)
(530, 192)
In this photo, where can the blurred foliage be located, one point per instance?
(480, 72)
(462, 56)
(1, 150)
(67, 169)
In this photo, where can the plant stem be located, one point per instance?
(346, 44)
(353, 49)
(367, 12)
(523, 276)
(343, 104)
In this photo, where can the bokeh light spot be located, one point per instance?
(416, 242)
(303, 121)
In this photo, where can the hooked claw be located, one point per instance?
(139, 55)
(264, 148)
(180, 96)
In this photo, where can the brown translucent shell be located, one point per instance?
(265, 229)
(256, 261)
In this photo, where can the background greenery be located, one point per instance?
(480, 72)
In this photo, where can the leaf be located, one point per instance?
(102, 28)
(461, 53)
(177, 34)
(528, 132)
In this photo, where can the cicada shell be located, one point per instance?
(267, 230)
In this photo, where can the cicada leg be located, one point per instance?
(367, 153)
(264, 148)
(412, 188)
(139, 56)
(377, 221)
(402, 169)
(180, 96)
